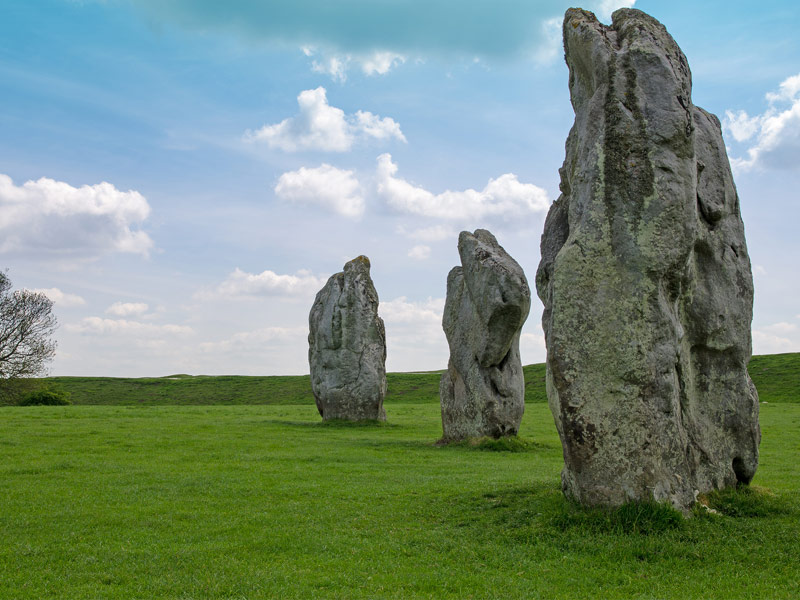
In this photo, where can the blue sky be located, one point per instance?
(181, 176)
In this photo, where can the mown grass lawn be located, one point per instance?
(267, 502)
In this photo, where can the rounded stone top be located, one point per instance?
(359, 262)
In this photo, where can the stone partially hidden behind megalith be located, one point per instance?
(488, 299)
(645, 279)
(347, 347)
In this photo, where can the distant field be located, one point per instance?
(408, 388)
(777, 378)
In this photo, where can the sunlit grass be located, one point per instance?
(267, 502)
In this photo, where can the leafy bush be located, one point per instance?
(46, 398)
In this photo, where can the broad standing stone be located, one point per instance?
(645, 279)
(347, 347)
(488, 299)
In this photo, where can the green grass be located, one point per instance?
(268, 502)
(776, 376)
(166, 496)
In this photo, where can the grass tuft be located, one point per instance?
(744, 501)
(509, 443)
(642, 518)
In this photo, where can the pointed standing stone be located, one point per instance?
(645, 279)
(483, 391)
(347, 347)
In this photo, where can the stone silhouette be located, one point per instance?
(645, 279)
(347, 346)
(488, 299)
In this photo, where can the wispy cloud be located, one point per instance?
(420, 252)
(434, 233)
(127, 309)
(255, 341)
(101, 326)
(240, 284)
(60, 298)
(776, 338)
(337, 65)
(499, 29)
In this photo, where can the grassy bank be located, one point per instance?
(776, 376)
(267, 502)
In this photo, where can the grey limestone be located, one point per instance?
(347, 346)
(645, 279)
(483, 391)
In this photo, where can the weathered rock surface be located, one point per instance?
(645, 279)
(347, 346)
(488, 299)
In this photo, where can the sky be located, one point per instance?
(182, 176)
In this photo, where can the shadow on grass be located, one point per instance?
(544, 509)
(634, 518)
(527, 513)
(333, 424)
(503, 444)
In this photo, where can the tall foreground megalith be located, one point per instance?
(347, 346)
(645, 279)
(482, 392)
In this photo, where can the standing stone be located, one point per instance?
(645, 279)
(347, 347)
(488, 299)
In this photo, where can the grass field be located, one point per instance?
(408, 388)
(265, 501)
(777, 377)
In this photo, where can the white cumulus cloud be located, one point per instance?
(101, 326)
(328, 187)
(435, 233)
(741, 125)
(604, 8)
(127, 309)
(400, 310)
(61, 298)
(414, 335)
(551, 47)
(504, 198)
(52, 217)
(267, 283)
(420, 252)
(336, 65)
(320, 126)
(532, 347)
(775, 132)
